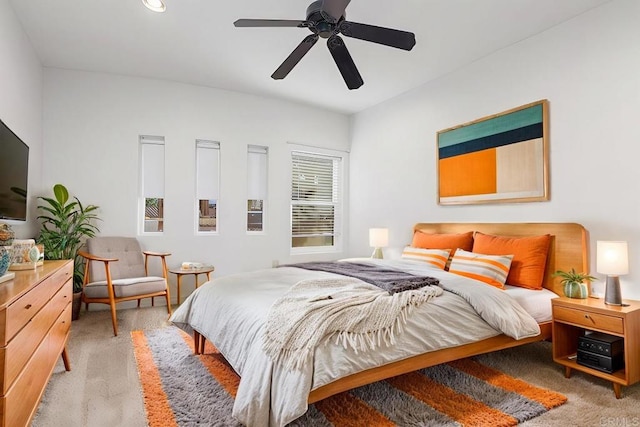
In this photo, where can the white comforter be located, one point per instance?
(231, 312)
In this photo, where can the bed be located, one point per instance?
(218, 311)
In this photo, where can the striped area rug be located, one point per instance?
(182, 389)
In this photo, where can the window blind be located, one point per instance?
(152, 159)
(208, 170)
(256, 172)
(315, 186)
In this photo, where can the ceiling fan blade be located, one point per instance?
(270, 23)
(333, 10)
(386, 36)
(295, 57)
(344, 62)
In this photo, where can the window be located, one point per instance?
(207, 184)
(256, 187)
(316, 201)
(152, 166)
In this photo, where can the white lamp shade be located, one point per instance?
(612, 257)
(378, 237)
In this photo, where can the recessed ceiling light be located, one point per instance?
(155, 5)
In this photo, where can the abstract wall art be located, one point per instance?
(496, 159)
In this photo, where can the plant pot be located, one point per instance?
(76, 305)
(575, 290)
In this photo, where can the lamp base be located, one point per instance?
(612, 294)
(377, 253)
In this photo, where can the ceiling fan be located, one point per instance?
(326, 19)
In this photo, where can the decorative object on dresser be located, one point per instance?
(612, 260)
(5, 261)
(20, 255)
(6, 235)
(116, 271)
(378, 239)
(35, 319)
(575, 322)
(65, 226)
(573, 283)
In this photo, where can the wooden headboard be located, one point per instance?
(569, 242)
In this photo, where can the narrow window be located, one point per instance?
(207, 184)
(256, 187)
(152, 185)
(316, 202)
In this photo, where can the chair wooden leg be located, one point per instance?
(138, 303)
(168, 303)
(114, 320)
(86, 306)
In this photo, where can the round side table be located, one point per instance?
(179, 272)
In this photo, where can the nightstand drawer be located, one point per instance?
(589, 320)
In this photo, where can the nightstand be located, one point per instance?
(573, 317)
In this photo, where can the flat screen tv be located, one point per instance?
(14, 172)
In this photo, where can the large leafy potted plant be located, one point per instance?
(66, 224)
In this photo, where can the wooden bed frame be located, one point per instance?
(569, 249)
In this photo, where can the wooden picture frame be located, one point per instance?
(503, 158)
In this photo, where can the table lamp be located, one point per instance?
(378, 238)
(612, 260)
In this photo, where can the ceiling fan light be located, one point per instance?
(155, 5)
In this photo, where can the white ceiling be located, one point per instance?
(195, 42)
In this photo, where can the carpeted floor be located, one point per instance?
(103, 388)
(185, 389)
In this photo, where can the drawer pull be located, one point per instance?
(28, 306)
(586, 316)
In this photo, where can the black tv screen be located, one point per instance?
(14, 171)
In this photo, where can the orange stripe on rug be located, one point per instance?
(159, 412)
(547, 398)
(345, 410)
(459, 407)
(217, 365)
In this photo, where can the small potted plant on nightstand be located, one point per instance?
(65, 226)
(574, 286)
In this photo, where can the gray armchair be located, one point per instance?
(116, 270)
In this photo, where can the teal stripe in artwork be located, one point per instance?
(507, 122)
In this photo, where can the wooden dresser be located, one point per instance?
(35, 319)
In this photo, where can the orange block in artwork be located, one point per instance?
(468, 174)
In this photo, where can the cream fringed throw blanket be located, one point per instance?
(357, 314)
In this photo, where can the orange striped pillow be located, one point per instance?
(435, 257)
(491, 269)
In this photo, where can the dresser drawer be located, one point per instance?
(21, 401)
(589, 320)
(26, 307)
(21, 347)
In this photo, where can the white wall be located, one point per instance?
(589, 70)
(21, 104)
(91, 125)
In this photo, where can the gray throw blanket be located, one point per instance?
(392, 281)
